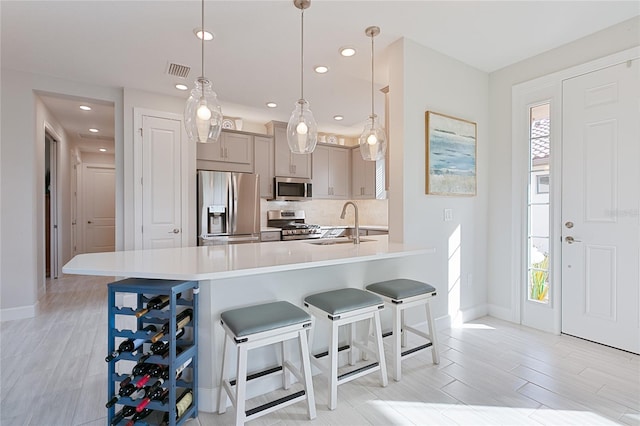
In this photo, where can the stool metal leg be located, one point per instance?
(222, 393)
(381, 361)
(306, 370)
(432, 335)
(352, 348)
(286, 375)
(398, 334)
(241, 384)
(402, 328)
(333, 367)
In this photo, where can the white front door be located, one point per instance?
(161, 183)
(600, 206)
(99, 207)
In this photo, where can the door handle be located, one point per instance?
(175, 231)
(89, 221)
(570, 240)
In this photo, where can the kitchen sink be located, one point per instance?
(332, 241)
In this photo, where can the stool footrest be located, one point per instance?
(357, 371)
(325, 353)
(258, 374)
(416, 349)
(274, 403)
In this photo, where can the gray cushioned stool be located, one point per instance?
(262, 325)
(342, 307)
(399, 295)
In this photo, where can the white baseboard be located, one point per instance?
(21, 312)
(499, 312)
(474, 313)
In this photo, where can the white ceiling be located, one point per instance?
(255, 56)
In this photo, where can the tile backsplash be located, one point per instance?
(327, 212)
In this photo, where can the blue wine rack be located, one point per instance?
(154, 287)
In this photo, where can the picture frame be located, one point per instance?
(451, 155)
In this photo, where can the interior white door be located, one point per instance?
(600, 206)
(99, 207)
(161, 183)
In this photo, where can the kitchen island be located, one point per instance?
(238, 275)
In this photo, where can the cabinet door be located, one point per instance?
(321, 172)
(237, 148)
(363, 176)
(286, 163)
(339, 172)
(282, 153)
(232, 152)
(301, 165)
(264, 165)
(210, 151)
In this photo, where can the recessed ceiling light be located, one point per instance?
(272, 104)
(338, 117)
(180, 86)
(207, 35)
(347, 51)
(85, 107)
(321, 69)
(92, 130)
(103, 150)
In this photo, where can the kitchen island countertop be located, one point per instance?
(227, 261)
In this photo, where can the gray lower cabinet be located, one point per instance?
(331, 165)
(264, 167)
(232, 152)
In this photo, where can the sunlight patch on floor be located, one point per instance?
(399, 411)
(474, 326)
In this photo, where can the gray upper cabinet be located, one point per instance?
(264, 164)
(232, 152)
(331, 167)
(364, 177)
(287, 163)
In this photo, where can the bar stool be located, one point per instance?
(342, 307)
(260, 325)
(401, 294)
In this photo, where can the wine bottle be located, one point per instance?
(182, 319)
(125, 412)
(125, 390)
(158, 393)
(183, 402)
(139, 416)
(154, 371)
(161, 346)
(131, 345)
(139, 369)
(158, 302)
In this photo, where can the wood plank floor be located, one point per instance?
(52, 372)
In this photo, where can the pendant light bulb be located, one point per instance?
(202, 113)
(373, 140)
(302, 130)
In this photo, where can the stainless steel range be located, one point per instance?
(292, 225)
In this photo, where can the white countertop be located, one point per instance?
(215, 262)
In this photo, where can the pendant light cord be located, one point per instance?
(302, 54)
(202, 39)
(372, 113)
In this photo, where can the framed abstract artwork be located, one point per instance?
(450, 155)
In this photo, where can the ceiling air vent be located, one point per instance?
(178, 70)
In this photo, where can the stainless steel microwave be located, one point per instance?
(292, 189)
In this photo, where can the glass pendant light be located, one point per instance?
(373, 140)
(202, 113)
(302, 130)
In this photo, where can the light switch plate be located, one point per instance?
(448, 215)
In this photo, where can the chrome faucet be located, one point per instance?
(356, 238)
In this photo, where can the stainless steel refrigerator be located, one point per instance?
(228, 208)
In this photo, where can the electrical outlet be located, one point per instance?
(448, 215)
